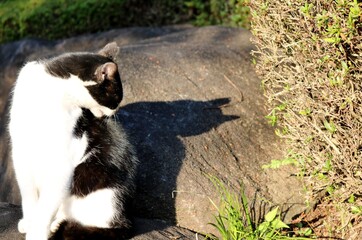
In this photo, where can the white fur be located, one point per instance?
(100, 216)
(44, 112)
(101, 203)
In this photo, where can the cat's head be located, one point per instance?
(98, 74)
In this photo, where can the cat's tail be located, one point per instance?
(69, 230)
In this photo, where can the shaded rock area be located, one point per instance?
(9, 217)
(145, 229)
(193, 107)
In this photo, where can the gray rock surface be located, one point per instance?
(145, 229)
(193, 107)
(9, 217)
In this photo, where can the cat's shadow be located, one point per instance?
(157, 129)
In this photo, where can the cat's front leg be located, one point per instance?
(51, 196)
(29, 203)
(41, 225)
(28, 191)
(23, 225)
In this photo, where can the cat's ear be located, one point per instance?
(107, 71)
(110, 51)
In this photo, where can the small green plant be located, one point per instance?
(355, 209)
(330, 126)
(273, 115)
(306, 9)
(234, 219)
(272, 225)
(275, 164)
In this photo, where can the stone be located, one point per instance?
(194, 108)
(145, 229)
(9, 218)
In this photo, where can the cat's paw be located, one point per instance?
(56, 224)
(23, 226)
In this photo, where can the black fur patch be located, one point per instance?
(83, 65)
(106, 167)
(112, 163)
(107, 92)
(75, 231)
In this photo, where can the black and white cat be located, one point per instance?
(74, 165)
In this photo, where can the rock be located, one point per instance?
(145, 229)
(9, 217)
(193, 107)
(151, 229)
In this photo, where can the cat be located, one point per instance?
(73, 162)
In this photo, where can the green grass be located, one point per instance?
(234, 220)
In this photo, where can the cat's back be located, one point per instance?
(37, 106)
(33, 90)
(31, 77)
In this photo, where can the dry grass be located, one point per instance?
(309, 55)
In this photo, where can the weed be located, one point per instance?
(274, 164)
(234, 219)
(314, 48)
(273, 115)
